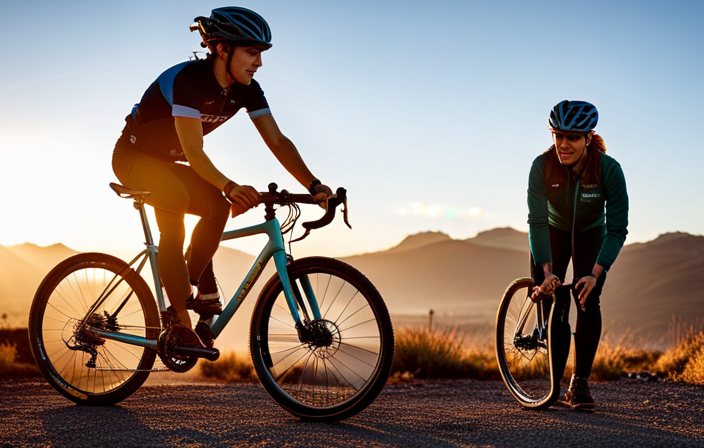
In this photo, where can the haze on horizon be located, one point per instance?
(430, 117)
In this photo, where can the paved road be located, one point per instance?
(426, 414)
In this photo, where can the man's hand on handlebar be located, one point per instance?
(320, 195)
(243, 198)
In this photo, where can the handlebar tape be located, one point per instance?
(341, 198)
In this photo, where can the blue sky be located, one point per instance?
(429, 113)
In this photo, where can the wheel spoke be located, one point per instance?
(346, 351)
(63, 330)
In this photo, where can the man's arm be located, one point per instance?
(190, 134)
(283, 149)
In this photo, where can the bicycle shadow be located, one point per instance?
(112, 426)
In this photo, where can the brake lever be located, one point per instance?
(344, 213)
(340, 197)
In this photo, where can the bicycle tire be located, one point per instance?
(316, 382)
(60, 308)
(525, 367)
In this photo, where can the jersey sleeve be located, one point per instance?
(616, 215)
(538, 233)
(179, 91)
(257, 104)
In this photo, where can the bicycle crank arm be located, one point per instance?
(211, 354)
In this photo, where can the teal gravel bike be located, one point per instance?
(321, 338)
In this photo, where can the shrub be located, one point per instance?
(8, 353)
(693, 372)
(441, 354)
(681, 362)
(10, 368)
(230, 368)
(613, 359)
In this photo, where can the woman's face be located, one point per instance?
(245, 63)
(570, 146)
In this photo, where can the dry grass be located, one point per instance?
(7, 357)
(425, 353)
(10, 368)
(612, 359)
(685, 362)
(230, 368)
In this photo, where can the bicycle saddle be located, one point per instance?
(127, 193)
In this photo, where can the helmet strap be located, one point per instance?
(229, 61)
(230, 55)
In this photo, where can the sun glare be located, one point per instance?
(439, 211)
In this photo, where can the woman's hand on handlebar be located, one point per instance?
(243, 198)
(587, 284)
(551, 282)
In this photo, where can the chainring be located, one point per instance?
(173, 336)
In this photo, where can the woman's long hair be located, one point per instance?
(556, 173)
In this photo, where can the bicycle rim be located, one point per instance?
(345, 368)
(93, 292)
(522, 354)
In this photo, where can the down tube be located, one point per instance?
(274, 248)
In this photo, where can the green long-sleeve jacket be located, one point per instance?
(604, 205)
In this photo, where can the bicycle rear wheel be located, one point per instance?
(344, 364)
(76, 361)
(522, 347)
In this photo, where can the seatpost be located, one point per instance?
(139, 205)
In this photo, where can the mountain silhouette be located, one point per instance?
(463, 280)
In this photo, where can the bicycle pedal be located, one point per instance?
(206, 308)
(205, 334)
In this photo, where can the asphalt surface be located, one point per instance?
(423, 414)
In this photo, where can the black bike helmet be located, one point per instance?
(238, 26)
(573, 116)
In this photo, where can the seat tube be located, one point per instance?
(152, 252)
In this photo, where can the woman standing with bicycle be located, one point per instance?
(161, 151)
(578, 210)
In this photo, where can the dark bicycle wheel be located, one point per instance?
(344, 360)
(84, 293)
(522, 347)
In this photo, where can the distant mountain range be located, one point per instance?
(462, 280)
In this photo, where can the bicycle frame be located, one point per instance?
(274, 248)
(541, 322)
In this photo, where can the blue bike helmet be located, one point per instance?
(238, 26)
(573, 116)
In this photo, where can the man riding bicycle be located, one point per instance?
(161, 151)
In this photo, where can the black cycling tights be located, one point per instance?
(588, 331)
(177, 190)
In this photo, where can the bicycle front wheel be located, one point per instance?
(522, 349)
(85, 293)
(343, 363)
